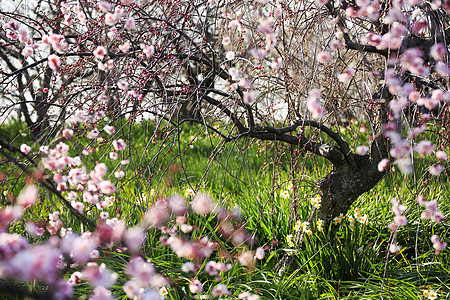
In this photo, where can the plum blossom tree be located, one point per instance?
(279, 71)
(293, 72)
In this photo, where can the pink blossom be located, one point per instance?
(119, 145)
(441, 155)
(100, 52)
(36, 263)
(220, 290)
(230, 55)
(400, 220)
(249, 97)
(226, 40)
(27, 51)
(78, 206)
(438, 244)
(11, 244)
(394, 248)
(321, 2)
(362, 150)
(132, 289)
(82, 17)
(79, 247)
(130, 23)
(67, 133)
(185, 228)
(134, 237)
(54, 62)
(235, 23)
(266, 26)
(404, 164)
(105, 6)
(93, 134)
(156, 215)
(442, 69)
(109, 129)
(393, 226)
(246, 258)
(104, 215)
(177, 204)
(123, 85)
(259, 253)
(141, 271)
(100, 170)
(438, 51)
(336, 44)
(101, 293)
(25, 149)
(398, 30)
(119, 174)
(314, 105)
(106, 187)
(12, 35)
(148, 50)
(34, 229)
(424, 148)
(258, 53)
(28, 196)
(323, 57)
(75, 278)
(202, 204)
(113, 155)
(210, 268)
(188, 267)
(347, 75)
(125, 47)
(195, 286)
(382, 165)
(271, 41)
(278, 11)
(111, 19)
(436, 170)
(99, 275)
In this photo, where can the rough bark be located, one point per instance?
(341, 187)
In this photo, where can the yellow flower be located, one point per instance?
(297, 226)
(109, 201)
(290, 186)
(5, 193)
(338, 220)
(163, 292)
(364, 219)
(432, 295)
(284, 194)
(320, 225)
(289, 240)
(305, 225)
(189, 193)
(357, 213)
(316, 201)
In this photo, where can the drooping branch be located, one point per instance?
(45, 182)
(349, 43)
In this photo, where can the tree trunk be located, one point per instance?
(341, 187)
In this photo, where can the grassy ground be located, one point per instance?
(348, 264)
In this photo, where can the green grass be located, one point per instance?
(249, 174)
